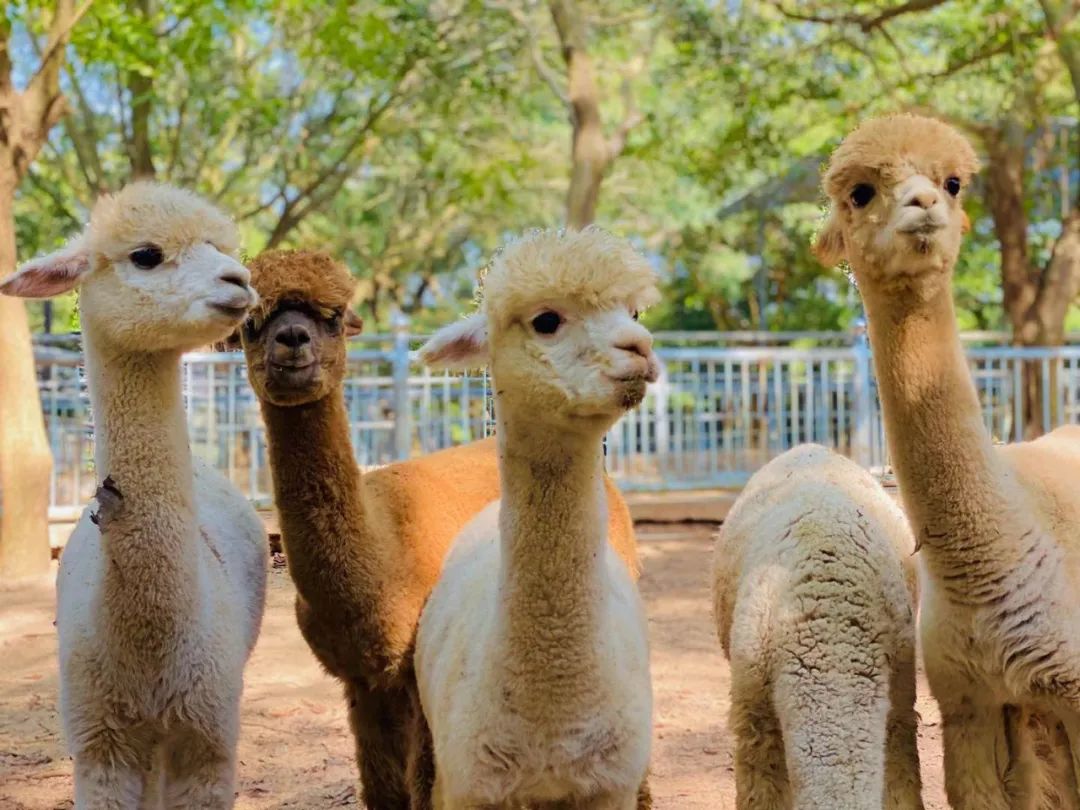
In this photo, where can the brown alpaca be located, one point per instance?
(364, 551)
(999, 527)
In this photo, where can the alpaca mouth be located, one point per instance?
(234, 313)
(293, 375)
(927, 227)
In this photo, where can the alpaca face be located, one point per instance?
(144, 299)
(155, 269)
(563, 363)
(297, 354)
(294, 342)
(896, 186)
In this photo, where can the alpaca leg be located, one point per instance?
(1071, 722)
(380, 726)
(644, 795)
(974, 738)
(761, 781)
(200, 772)
(420, 769)
(153, 797)
(102, 783)
(834, 730)
(903, 786)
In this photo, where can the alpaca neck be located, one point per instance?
(141, 441)
(553, 529)
(943, 457)
(318, 498)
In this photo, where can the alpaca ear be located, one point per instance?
(829, 244)
(354, 324)
(52, 274)
(461, 346)
(965, 221)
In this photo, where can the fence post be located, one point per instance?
(402, 406)
(861, 449)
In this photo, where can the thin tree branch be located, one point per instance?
(48, 70)
(866, 22)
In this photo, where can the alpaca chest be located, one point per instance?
(515, 760)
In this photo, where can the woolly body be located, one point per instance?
(813, 603)
(532, 653)
(161, 589)
(366, 550)
(999, 527)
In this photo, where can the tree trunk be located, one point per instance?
(1036, 300)
(1005, 197)
(141, 88)
(589, 148)
(25, 460)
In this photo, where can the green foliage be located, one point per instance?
(411, 138)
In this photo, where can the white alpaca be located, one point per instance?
(813, 604)
(999, 527)
(532, 654)
(161, 590)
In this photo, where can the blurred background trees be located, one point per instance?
(410, 138)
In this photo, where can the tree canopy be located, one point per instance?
(411, 137)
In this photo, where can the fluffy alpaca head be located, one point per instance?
(558, 324)
(294, 341)
(155, 268)
(896, 186)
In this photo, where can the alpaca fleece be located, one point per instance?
(813, 603)
(998, 527)
(366, 550)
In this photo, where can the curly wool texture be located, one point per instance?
(300, 275)
(891, 145)
(589, 267)
(998, 527)
(160, 592)
(146, 212)
(813, 604)
(365, 551)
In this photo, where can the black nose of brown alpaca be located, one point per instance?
(923, 198)
(293, 336)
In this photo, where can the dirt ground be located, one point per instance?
(295, 750)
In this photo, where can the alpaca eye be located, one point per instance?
(547, 323)
(147, 257)
(952, 185)
(635, 314)
(862, 194)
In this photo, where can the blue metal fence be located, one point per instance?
(724, 405)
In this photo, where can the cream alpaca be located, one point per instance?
(813, 606)
(999, 527)
(161, 590)
(532, 656)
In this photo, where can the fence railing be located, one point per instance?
(717, 413)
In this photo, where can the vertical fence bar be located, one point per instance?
(402, 407)
(860, 434)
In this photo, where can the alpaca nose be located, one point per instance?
(639, 344)
(236, 275)
(293, 336)
(924, 198)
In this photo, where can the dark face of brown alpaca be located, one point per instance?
(297, 354)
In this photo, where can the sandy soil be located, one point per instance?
(295, 750)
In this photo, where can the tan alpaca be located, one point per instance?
(161, 589)
(532, 655)
(364, 551)
(999, 527)
(813, 602)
